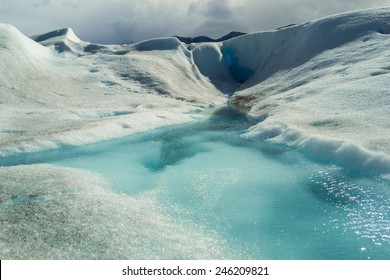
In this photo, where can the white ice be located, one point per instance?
(79, 217)
(321, 87)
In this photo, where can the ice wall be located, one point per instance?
(260, 55)
(321, 87)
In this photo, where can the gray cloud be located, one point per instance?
(270, 14)
(118, 21)
(218, 9)
(213, 18)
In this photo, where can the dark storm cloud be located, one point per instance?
(117, 21)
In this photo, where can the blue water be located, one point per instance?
(266, 201)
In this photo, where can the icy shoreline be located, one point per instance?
(84, 219)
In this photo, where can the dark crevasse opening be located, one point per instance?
(53, 34)
(62, 47)
(240, 74)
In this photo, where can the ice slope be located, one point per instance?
(62, 40)
(84, 219)
(321, 87)
(72, 92)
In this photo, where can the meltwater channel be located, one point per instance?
(266, 201)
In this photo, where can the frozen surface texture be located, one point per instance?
(61, 213)
(321, 88)
(86, 92)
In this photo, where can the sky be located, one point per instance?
(124, 21)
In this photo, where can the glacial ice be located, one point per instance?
(85, 220)
(321, 87)
(316, 91)
(246, 198)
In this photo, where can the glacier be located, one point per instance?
(305, 105)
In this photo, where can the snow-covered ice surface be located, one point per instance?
(49, 212)
(88, 93)
(313, 159)
(321, 87)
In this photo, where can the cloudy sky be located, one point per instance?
(118, 21)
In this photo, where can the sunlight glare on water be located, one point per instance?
(268, 202)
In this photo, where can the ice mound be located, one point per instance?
(47, 214)
(15, 45)
(159, 44)
(23, 69)
(63, 40)
(65, 33)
